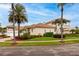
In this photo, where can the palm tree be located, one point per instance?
(62, 9)
(61, 5)
(58, 22)
(12, 20)
(20, 16)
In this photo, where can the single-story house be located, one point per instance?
(40, 28)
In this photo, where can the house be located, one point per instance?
(40, 28)
(10, 30)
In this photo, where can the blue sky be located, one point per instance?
(42, 12)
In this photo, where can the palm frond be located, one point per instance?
(59, 20)
(19, 14)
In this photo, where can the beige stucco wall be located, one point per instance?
(40, 31)
(10, 32)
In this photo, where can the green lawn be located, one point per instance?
(42, 41)
(47, 43)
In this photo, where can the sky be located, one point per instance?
(42, 12)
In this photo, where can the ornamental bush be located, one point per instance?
(48, 34)
(25, 36)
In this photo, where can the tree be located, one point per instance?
(61, 5)
(20, 16)
(0, 28)
(12, 20)
(72, 30)
(4, 30)
(76, 30)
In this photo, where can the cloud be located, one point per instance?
(5, 6)
(4, 11)
(42, 13)
(39, 9)
(36, 12)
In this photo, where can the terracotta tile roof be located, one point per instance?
(40, 25)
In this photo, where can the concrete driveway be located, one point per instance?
(60, 50)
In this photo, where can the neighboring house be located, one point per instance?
(10, 30)
(40, 28)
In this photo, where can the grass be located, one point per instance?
(47, 42)
(43, 39)
(72, 36)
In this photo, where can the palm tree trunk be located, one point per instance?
(56, 29)
(29, 31)
(62, 23)
(19, 30)
(12, 5)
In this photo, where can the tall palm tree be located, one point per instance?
(19, 15)
(12, 19)
(61, 5)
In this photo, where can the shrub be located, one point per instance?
(25, 36)
(72, 35)
(48, 34)
(58, 36)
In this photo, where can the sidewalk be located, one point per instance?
(4, 39)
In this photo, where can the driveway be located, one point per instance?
(58, 50)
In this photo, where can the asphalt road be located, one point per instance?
(59, 50)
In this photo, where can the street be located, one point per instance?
(57, 50)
